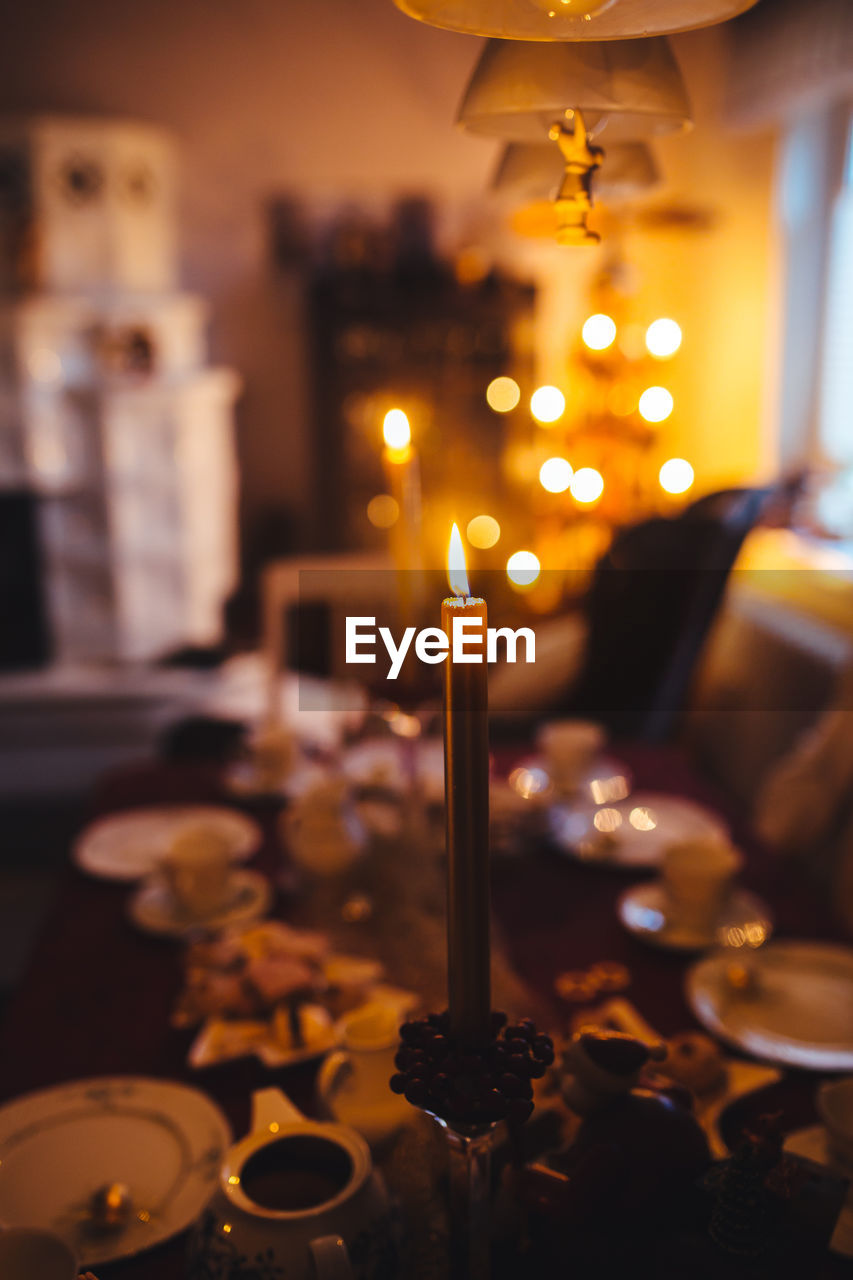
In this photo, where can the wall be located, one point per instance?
(341, 100)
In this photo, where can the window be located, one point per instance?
(815, 199)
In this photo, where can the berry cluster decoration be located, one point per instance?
(471, 1086)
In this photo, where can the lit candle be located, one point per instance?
(402, 474)
(466, 785)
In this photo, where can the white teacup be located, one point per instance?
(569, 748)
(28, 1254)
(197, 869)
(353, 1082)
(697, 876)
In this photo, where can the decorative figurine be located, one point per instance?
(637, 1149)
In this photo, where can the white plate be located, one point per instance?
(128, 845)
(634, 832)
(165, 1141)
(386, 764)
(154, 909)
(221, 1040)
(798, 1011)
(744, 921)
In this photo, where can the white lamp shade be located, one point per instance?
(572, 19)
(535, 171)
(627, 89)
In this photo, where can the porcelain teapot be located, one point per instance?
(297, 1200)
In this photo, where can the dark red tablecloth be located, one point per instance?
(97, 996)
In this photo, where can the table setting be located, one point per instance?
(555, 1049)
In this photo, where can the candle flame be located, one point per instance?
(396, 431)
(457, 573)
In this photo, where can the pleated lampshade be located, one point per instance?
(627, 90)
(572, 19)
(535, 171)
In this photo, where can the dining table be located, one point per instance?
(97, 996)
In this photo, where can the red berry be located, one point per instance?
(416, 1093)
(519, 1110)
(511, 1085)
(495, 1104)
(398, 1083)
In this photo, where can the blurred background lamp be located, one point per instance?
(599, 332)
(656, 404)
(396, 431)
(555, 475)
(663, 338)
(534, 171)
(383, 511)
(519, 90)
(503, 394)
(676, 475)
(587, 485)
(572, 19)
(522, 568)
(547, 404)
(483, 532)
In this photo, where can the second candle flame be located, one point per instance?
(457, 573)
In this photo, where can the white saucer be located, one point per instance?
(165, 1141)
(128, 845)
(744, 920)
(604, 781)
(797, 1009)
(153, 908)
(386, 765)
(631, 833)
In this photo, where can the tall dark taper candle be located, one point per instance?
(466, 783)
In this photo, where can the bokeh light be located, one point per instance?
(483, 532)
(656, 404)
(587, 485)
(663, 338)
(396, 431)
(555, 475)
(522, 568)
(383, 511)
(503, 394)
(547, 404)
(599, 332)
(676, 475)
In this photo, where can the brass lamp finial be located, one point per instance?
(574, 199)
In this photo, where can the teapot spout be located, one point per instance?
(271, 1108)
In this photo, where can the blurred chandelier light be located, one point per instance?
(572, 19)
(599, 332)
(624, 90)
(534, 171)
(547, 404)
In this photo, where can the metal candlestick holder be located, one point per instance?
(468, 1091)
